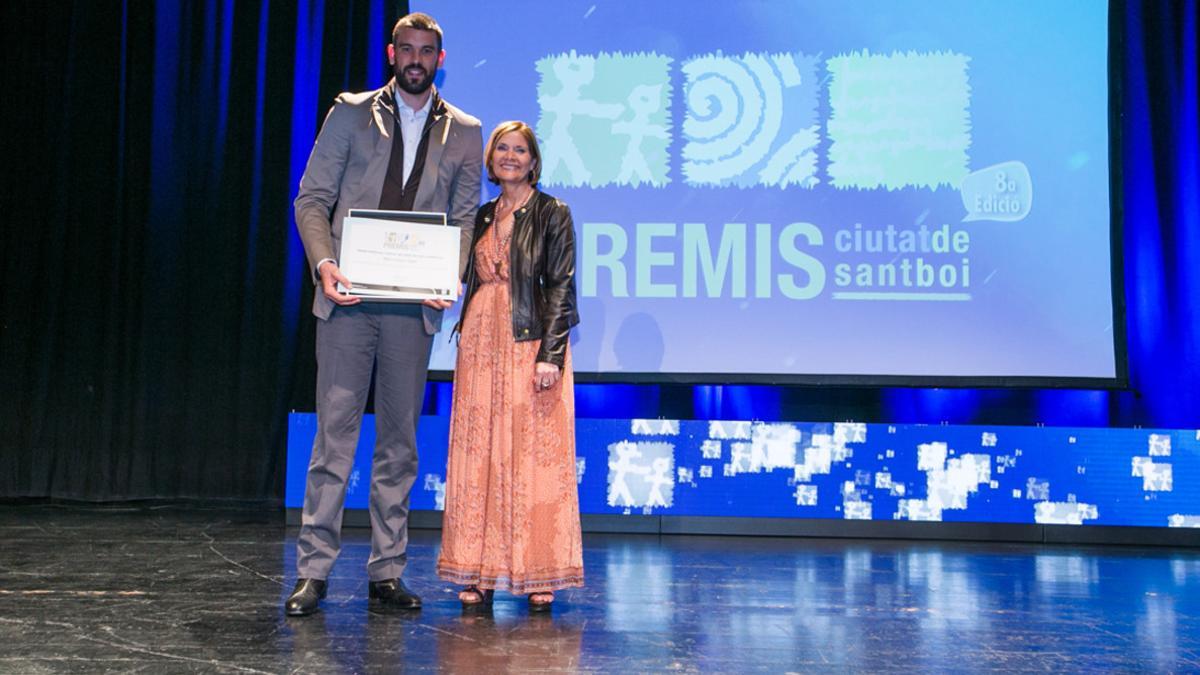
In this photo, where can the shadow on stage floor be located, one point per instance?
(181, 589)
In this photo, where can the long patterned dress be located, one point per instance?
(512, 506)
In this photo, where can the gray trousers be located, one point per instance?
(390, 338)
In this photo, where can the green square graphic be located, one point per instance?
(605, 119)
(898, 120)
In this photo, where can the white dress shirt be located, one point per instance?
(412, 123)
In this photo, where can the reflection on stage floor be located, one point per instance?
(199, 589)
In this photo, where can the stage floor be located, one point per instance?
(199, 589)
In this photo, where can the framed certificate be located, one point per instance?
(399, 256)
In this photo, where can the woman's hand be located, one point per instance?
(545, 375)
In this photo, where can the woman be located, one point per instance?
(512, 508)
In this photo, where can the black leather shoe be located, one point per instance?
(305, 597)
(393, 592)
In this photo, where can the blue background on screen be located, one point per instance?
(1039, 299)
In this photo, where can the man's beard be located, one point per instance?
(420, 86)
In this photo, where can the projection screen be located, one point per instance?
(826, 191)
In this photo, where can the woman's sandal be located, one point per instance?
(540, 602)
(471, 597)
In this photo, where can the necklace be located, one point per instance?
(500, 242)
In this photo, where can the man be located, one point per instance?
(401, 147)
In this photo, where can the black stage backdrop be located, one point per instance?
(154, 330)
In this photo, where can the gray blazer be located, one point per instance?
(350, 160)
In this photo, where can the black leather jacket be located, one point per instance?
(542, 273)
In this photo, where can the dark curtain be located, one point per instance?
(154, 325)
(155, 303)
(1161, 148)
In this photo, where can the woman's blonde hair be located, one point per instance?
(535, 169)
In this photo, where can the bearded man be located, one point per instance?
(401, 147)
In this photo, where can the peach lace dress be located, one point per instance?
(512, 505)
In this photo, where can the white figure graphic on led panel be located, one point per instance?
(619, 471)
(435, 484)
(1159, 445)
(806, 495)
(949, 482)
(641, 474)
(660, 477)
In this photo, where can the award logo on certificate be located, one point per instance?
(399, 256)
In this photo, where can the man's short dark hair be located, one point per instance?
(419, 21)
